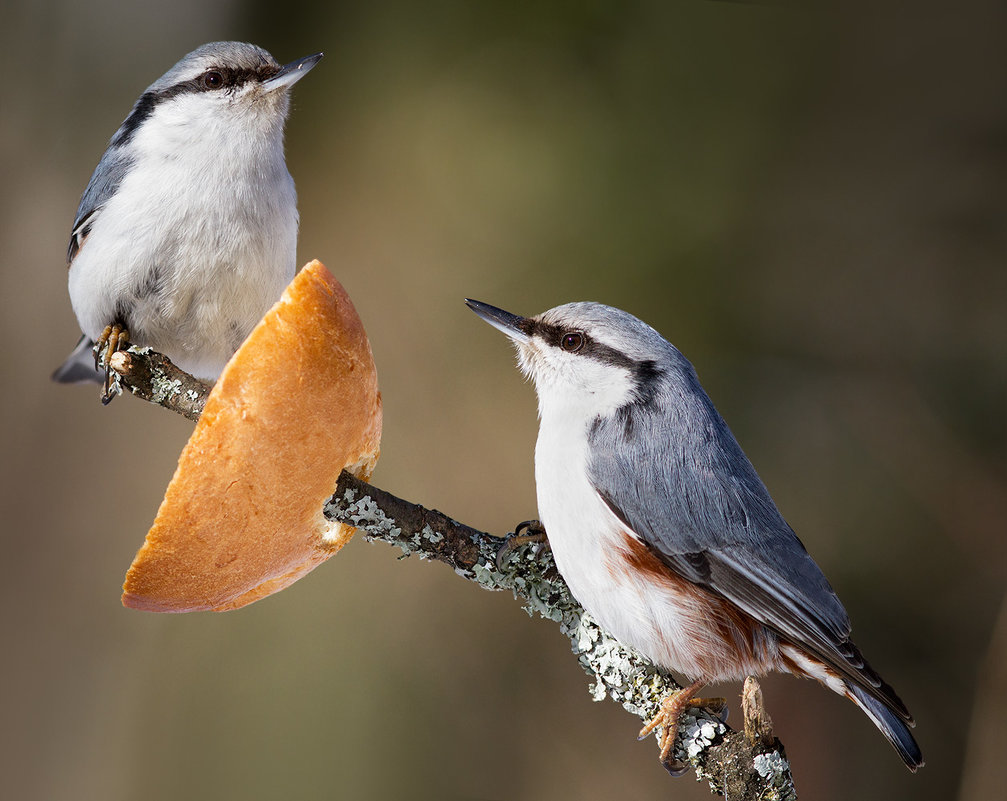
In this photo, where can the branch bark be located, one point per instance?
(153, 377)
(736, 764)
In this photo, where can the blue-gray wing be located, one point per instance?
(104, 182)
(672, 471)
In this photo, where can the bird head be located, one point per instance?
(221, 86)
(586, 356)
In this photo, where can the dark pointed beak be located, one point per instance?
(291, 73)
(512, 325)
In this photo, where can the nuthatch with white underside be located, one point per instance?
(661, 527)
(187, 231)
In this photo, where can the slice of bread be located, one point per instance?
(242, 516)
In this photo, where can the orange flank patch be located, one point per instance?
(720, 639)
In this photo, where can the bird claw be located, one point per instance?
(676, 769)
(111, 389)
(667, 719)
(114, 338)
(536, 535)
(717, 706)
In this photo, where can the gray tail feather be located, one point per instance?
(891, 725)
(79, 366)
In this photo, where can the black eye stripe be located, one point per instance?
(229, 77)
(551, 334)
(554, 336)
(223, 77)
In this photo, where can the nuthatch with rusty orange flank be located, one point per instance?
(187, 231)
(663, 530)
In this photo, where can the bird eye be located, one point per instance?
(572, 341)
(212, 80)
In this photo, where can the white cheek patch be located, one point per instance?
(582, 385)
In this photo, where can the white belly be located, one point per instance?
(191, 272)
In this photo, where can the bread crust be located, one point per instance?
(242, 516)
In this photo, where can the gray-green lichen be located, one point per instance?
(775, 769)
(162, 389)
(366, 515)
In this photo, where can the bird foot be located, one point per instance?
(114, 338)
(667, 718)
(535, 534)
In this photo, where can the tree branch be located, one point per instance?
(739, 765)
(153, 377)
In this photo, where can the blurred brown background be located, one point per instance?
(809, 199)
